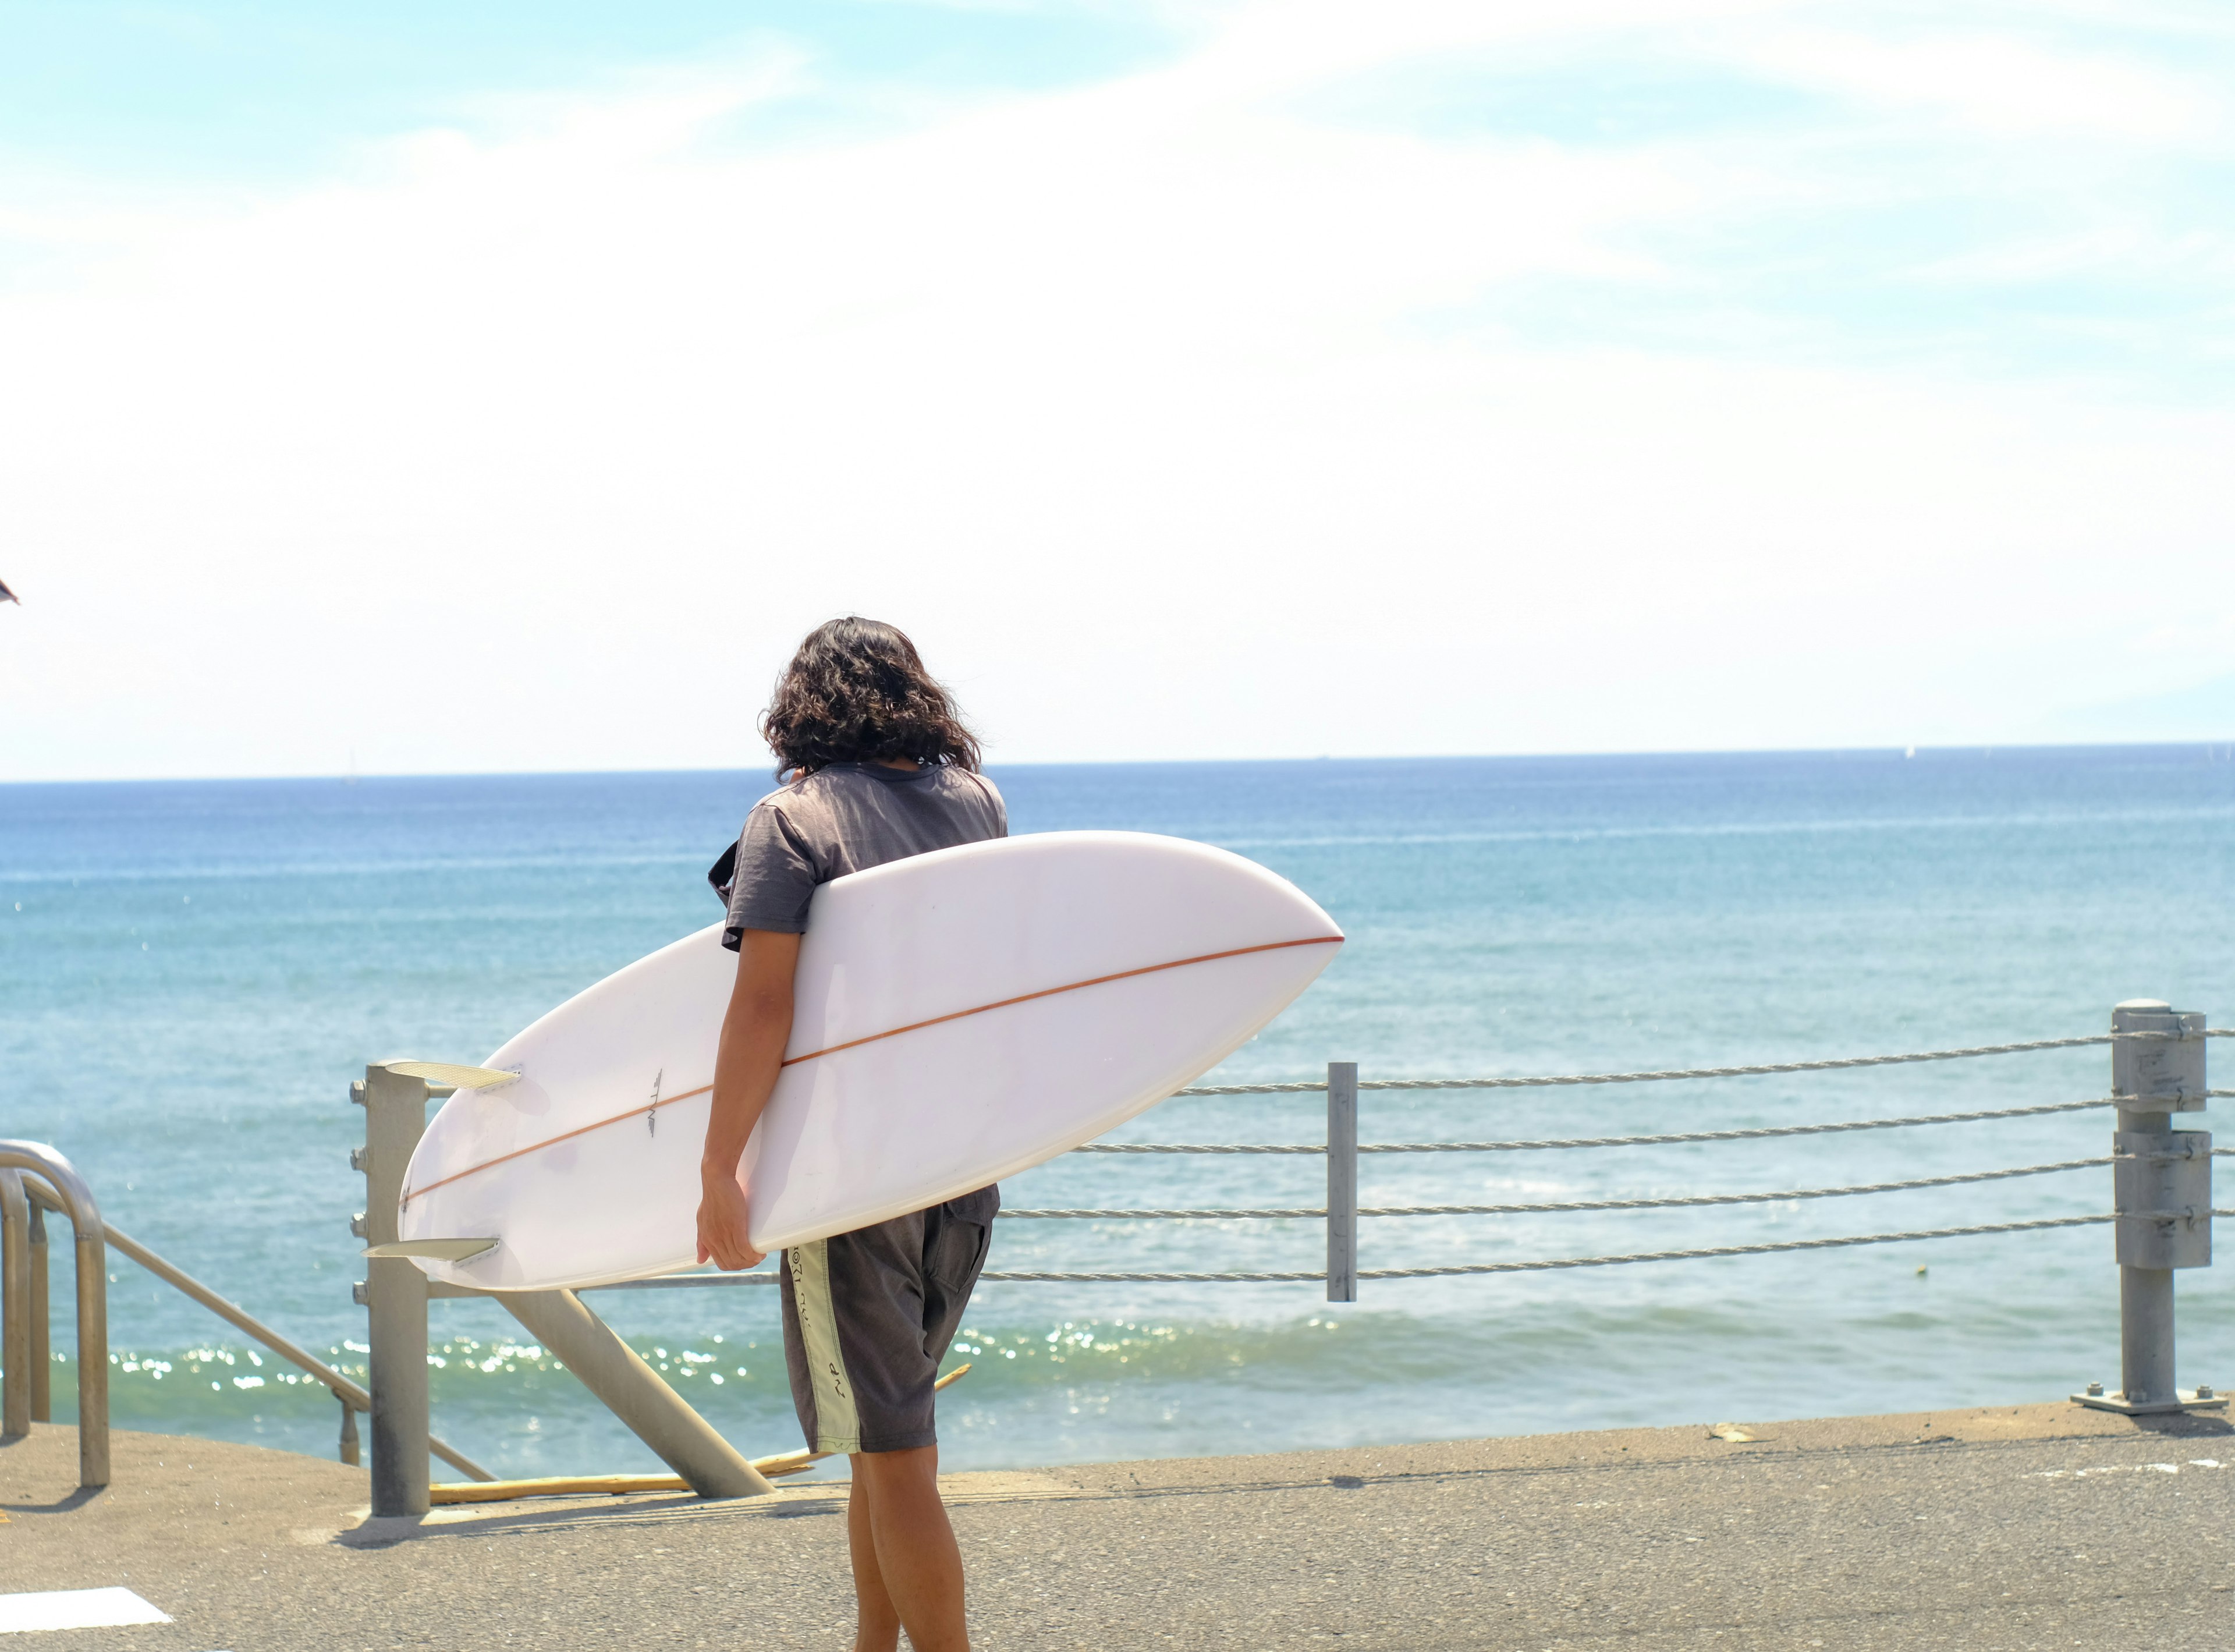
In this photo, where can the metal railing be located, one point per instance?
(74, 1199)
(2161, 1202)
(2161, 1210)
(23, 1312)
(396, 1294)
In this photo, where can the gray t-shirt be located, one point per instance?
(847, 818)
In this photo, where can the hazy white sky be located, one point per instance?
(1220, 381)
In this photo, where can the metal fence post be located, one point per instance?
(2161, 1182)
(395, 1292)
(1342, 1182)
(15, 1307)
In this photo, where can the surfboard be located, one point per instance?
(958, 1017)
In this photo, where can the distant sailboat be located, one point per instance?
(6, 596)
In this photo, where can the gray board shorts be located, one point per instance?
(868, 1316)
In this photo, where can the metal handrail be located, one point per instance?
(43, 1398)
(351, 1396)
(74, 1199)
(340, 1387)
(15, 1290)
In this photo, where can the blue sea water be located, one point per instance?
(192, 973)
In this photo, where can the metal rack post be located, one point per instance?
(395, 1292)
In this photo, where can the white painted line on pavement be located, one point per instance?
(74, 1608)
(2121, 1468)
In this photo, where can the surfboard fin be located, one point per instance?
(437, 1249)
(450, 1072)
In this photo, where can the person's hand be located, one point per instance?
(724, 1229)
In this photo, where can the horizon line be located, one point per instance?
(1981, 747)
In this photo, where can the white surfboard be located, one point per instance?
(959, 1017)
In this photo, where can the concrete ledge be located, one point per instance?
(1621, 1448)
(1998, 1527)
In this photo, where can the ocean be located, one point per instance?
(191, 973)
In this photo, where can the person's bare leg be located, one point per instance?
(876, 1625)
(919, 1569)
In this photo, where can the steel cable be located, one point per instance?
(1702, 1072)
(1741, 1250)
(1752, 1134)
(1302, 1277)
(1779, 1197)
(1576, 1262)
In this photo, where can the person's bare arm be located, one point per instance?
(754, 1032)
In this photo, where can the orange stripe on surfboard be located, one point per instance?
(874, 1038)
(1050, 992)
(554, 1141)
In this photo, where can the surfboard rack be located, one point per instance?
(448, 1072)
(394, 1095)
(775, 1467)
(600, 1484)
(437, 1249)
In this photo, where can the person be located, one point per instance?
(878, 766)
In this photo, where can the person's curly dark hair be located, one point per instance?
(857, 691)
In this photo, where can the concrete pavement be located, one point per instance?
(2032, 1526)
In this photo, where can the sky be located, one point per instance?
(496, 387)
